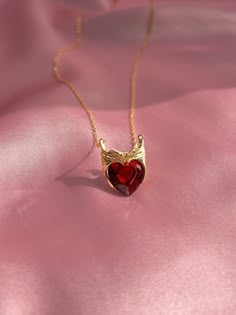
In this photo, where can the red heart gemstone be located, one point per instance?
(126, 178)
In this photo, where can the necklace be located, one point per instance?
(124, 171)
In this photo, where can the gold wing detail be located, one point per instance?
(136, 153)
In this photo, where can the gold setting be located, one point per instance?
(112, 156)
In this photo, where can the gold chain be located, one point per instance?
(133, 79)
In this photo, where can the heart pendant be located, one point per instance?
(126, 178)
(125, 171)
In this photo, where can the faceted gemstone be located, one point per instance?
(126, 178)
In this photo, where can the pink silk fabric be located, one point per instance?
(68, 244)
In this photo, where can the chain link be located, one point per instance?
(133, 79)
